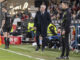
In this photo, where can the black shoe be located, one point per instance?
(60, 57)
(37, 48)
(66, 57)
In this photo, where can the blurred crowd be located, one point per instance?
(55, 9)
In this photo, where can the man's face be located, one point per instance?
(42, 8)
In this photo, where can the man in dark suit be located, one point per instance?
(41, 22)
(66, 21)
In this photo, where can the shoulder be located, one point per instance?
(47, 12)
(38, 12)
(69, 11)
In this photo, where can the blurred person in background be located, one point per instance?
(27, 12)
(74, 15)
(17, 19)
(20, 14)
(15, 22)
(78, 14)
(31, 31)
(24, 17)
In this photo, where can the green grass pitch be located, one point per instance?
(27, 52)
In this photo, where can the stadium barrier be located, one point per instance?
(0, 40)
(14, 40)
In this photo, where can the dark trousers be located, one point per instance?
(6, 42)
(44, 39)
(65, 45)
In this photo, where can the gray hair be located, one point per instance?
(44, 6)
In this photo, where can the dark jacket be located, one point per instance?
(66, 21)
(42, 21)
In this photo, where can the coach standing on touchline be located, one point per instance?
(66, 22)
(41, 22)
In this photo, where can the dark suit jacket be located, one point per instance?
(66, 20)
(42, 21)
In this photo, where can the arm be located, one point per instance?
(3, 22)
(67, 22)
(49, 18)
(35, 20)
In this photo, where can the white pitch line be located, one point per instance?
(20, 54)
(26, 48)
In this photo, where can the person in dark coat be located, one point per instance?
(66, 22)
(41, 22)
